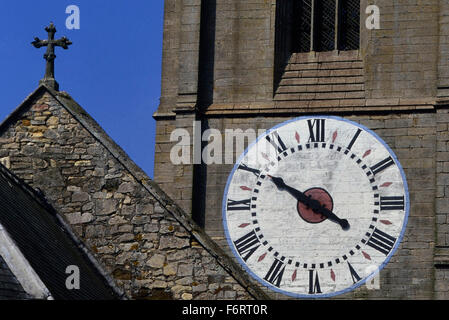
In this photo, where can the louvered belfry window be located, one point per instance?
(303, 19)
(349, 25)
(326, 25)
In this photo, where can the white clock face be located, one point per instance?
(316, 206)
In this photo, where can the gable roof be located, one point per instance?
(10, 287)
(47, 245)
(77, 112)
(20, 272)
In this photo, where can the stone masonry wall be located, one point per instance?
(442, 183)
(404, 59)
(148, 253)
(173, 179)
(401, 57)
(402, 67)
(442, 206)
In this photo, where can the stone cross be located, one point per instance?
(51, 43)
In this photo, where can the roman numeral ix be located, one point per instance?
(249, 169)
(236, 205)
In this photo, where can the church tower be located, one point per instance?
(250, 66)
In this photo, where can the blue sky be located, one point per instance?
(113, 68)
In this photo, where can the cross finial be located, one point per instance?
(51, 43)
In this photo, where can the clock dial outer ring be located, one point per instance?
(364, 280)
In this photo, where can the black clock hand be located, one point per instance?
(309, 202)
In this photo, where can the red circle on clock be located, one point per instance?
(320, 195)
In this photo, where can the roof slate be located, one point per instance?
(10, 288)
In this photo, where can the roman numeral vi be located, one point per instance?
(314, 282)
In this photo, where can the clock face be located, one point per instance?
(315, 207)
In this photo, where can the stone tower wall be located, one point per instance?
(396, 85)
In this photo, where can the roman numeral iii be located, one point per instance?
(247, 244)
(381, 241)
(317, 130)
(392, 203)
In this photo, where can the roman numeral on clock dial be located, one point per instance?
(249, 169)
(314, 282)
(247, 245)
(237, 205)
(382, 165)
(317, 130)
(381, 241)
(355, 277)
(392, 203)
(275, 273)
(354, 139)
(276, 142)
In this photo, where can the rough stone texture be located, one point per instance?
(396, 84)
(146, 250)
(442, 206)
(443, 59)
(402, 64)
(401, 58)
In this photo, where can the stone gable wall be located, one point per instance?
(146, 250)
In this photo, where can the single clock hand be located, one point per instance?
(309, 202)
